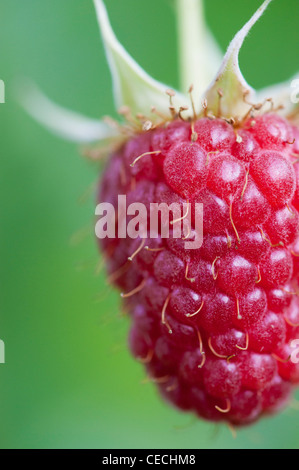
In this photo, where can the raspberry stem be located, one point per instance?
(198, 53)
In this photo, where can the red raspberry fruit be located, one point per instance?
(213, 325)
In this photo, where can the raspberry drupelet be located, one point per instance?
(213, 325)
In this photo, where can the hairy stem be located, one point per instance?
(192, 39)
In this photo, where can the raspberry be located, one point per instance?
(213, 325)
(271, 131)
(226, 176)
(185, 169)
(275, 175)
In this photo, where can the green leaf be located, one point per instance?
(229, 80)
(132, 86)
(62, 122)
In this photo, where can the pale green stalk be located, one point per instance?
(199, 55)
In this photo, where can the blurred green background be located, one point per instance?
(69, 380)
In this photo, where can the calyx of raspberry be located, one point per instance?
(223, 93)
